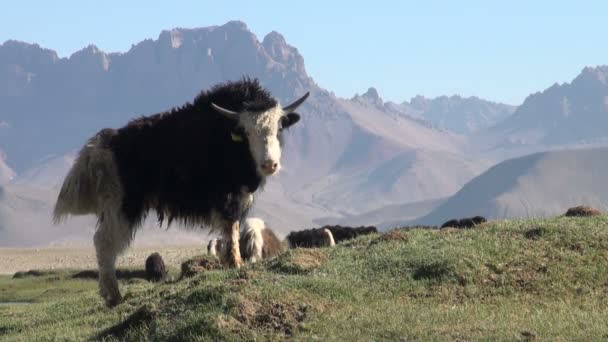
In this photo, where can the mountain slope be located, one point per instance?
(563, 114)
(454, 113)
(536, 185)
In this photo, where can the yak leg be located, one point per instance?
(111, 238)
(231, 255)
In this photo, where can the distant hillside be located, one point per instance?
(569, 113)
(454, 113)
(462, 115)
(537, 185)
(386, 217)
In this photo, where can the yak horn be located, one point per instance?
(296, 104)
(228, 113)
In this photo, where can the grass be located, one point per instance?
(510, 280)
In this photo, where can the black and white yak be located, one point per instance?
(258, 241)
(342, 233)
(198, 164)
(311, 238)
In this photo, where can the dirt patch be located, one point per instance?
(528, 336)
(300, 260)
(272, 316)
(582, 211)
(199, 265)
(522, 275)
(243, 277)
(394, 235)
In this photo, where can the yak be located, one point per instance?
(341, 233)
(155, 267)
(468, 222)
(198, 164)
(311, 238)
(258, 241)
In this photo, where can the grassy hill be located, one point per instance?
(509, 280)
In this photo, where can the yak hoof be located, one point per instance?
(231, 261)
(110, 294)
(112, 301)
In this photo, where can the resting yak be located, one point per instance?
(311, 238)
(198, 164)
(258, 241)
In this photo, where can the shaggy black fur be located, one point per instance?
(183, 163)
(345, 233)
(465, 222)
(309, 238)
(155, 268)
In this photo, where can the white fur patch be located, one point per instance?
(252, 235)
(262, 131)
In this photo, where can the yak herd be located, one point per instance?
(258, 241)
(199, 164)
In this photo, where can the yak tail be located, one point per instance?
(92, 176)
(252, 239)
(328, 237)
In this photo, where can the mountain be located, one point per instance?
(345, 157)
(537, 185)
(6, 173)
(563, 114)
(462, 115)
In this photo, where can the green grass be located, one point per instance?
(512, 280)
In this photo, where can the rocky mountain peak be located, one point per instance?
(591, 75)
(91, 57)
(370, 98)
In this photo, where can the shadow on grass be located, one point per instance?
(33, 273)
(120, 274)
(535, 233)
(434, 270)
(140, 317)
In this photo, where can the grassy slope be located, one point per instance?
(544, 279)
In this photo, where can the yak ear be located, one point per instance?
(289, 119)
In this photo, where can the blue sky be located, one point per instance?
(498, 50)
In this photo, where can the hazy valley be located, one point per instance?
(359, 160)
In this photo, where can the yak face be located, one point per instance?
(263, 132)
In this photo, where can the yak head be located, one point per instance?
(263, 132)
